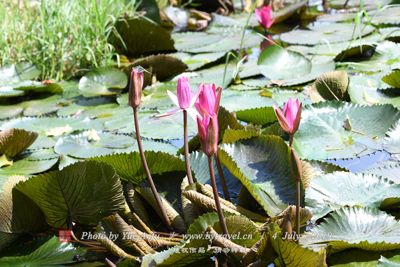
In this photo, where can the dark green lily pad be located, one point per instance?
(103, 81)
(140, 36)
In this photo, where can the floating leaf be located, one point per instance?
(14, 141)
(292, 254)
(322, 136)
(333, 191)
(363, 89)
(391, 172)
(92, 143)
(163, 66)
(333, 85)
(51, 126)
(51, 253)
(138, 36)
(255, 163)
(198, 60)
(389, 15)
(19, 214)
(259, 116)
(277, 63)
(103, 81)
(84, 192)
(393, 78)
(364, 228)
(129, 166)
(323, 33)
(31, 163)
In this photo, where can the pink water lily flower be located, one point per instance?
(289, 118)
(209, 99)
(208, 133)
(184, 100)
(264, 16)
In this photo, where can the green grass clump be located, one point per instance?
(61, 37)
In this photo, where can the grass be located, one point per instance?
(61, 37)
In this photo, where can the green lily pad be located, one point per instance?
(51, 126)
(389, 15)
(139, 36)
(364, 228)
(31, 163)
(385, 58)
(93, 143)
(103, 81)
(331, 130)
(327, 33)
(84, 192)
(277, 63)
(286, 67)
(197, 61)
(189, 41)
(14, 141)
(253, 162)
(129, 166)
(330, 192)
(19, 214)
(51, 253)
(234, 100)
(42, 107)
(363, 89)
(163, 66)
(390, 171)
(19, 72)
(291, 254)
(393, 78)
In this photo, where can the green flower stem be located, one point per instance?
(216, 197)
(186, 147)
(298, 191)
(222, 178)
(148, 174)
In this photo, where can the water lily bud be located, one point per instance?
(208, 133)
(213, 136)
(135, 87)
(184, 93)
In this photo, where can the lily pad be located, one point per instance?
(363, 89)
(19, 214)
(14, 141)
(103, 81)
(330, 192)
(163, 66)
(389, 15)
(286, 67)
(393, 79)
(130, 168)
(364, 228)
(32, 163)
(390, 171)
(51, 253)
(51, 126)
(327, 33)
(139, 36)
(253, 162)
(93, 143)
(331, 130)
(84, 192)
